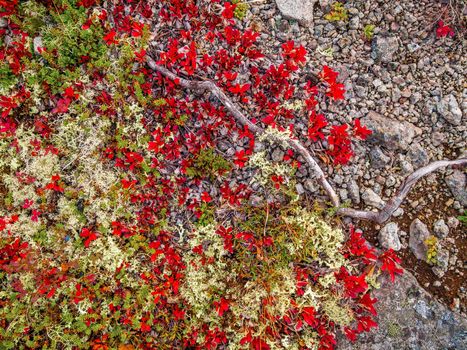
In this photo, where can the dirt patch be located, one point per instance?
(434, 202)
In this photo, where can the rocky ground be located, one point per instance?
(409, 87)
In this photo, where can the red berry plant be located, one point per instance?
(136, 213)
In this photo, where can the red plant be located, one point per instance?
(443, 30)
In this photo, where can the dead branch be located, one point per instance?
(391, 206)
(242, 119)
(381, 216)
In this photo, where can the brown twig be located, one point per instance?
(383, 215)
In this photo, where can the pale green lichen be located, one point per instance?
(267, 168)
(103, 253)
(339, 314)
(203, 281)
(295, 105)
(275, 135)
(324, 240)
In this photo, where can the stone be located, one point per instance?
(393, 134)
(388, 236)
(354, 191)
(299, 10)
(37, 43)
(440, 229)
(448, 108)
(300, 189)
(453, 222)
(311, 186)
(378, 159)
(418, 155)
(410, 318)
(383, 48)
(442, 262)
(390, 181)
(423, 309)
(277, 155)
(344, 194)
(398, 212)
(457, 184)
(413, 47)
(372, 199)
(418, 234)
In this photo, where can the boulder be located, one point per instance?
(410, 318)
(383, 48)
(389, 236)
(458, 186)
(390, 133)
(299, 10)
(418, 234)
(448, 108)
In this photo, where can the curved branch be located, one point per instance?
(379, 216)
(391, 206)
(208, 85)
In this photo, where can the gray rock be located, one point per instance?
(383, 48)
(388, 236)
(418, 234)
(390, 181)
(390, 133)
(418, 155)
(413, 47)
(448, 108)
(440, 229)
(299, 10)
(378, 159)
(423, 309)
(410, 319)
(277, 155)
(398, 212)
(37, 43)
(442, 262)
(344, 194)
(256, 201)
(311, 186)
(354, 191)
(453, 222)
(300, 189)
(372, 199)
(457, 184)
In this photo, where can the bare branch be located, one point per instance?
(242, 119)
(391, 206)
(379, 216)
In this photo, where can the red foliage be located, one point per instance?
(390, 263)
(443, 30)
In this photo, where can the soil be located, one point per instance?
(453, 289)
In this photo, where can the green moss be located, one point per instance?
(369, 31)
(208, 163)
(338, 13)
(240, 9)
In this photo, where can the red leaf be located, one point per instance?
(239, 89)
(390, 262)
